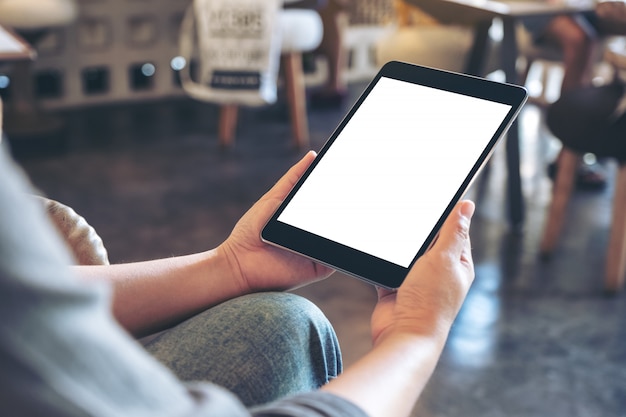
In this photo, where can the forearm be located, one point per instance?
(390, 378)
(153, 295)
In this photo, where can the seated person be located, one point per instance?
(242, 346)
(578, 37)
(335, 18)
(335, 21)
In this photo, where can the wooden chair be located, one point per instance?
(589, 120)
(301, 32)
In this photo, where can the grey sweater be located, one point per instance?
(63, 354)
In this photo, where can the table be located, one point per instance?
(13, 47)
(24, 122)
(480, 14)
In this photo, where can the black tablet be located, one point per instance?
(381, 187)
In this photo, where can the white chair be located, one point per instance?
(420, 39)
(31, 19)
(437, 46)
(301, 31)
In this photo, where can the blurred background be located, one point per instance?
(103, 124)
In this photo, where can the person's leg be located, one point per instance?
(578, 42)
(260, 346)
(335, 21)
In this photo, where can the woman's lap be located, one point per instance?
(260, 346)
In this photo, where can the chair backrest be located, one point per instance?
(238, 49)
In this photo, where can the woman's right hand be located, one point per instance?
(429, 299)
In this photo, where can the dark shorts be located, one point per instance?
(537, 26)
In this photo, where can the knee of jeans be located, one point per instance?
(279, 306)
(304, 324)
(287, 311)
(287, 307)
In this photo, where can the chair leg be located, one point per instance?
(616, 256)
(524, 74)
(563, 183)
(294, 82)
(227, 124)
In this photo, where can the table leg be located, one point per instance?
(515, 196)
(508, 55)
(476, 66)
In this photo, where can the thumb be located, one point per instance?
(454, 234)
(286, 183)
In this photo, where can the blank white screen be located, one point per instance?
(392, 171)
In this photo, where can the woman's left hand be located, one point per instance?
(260, 266)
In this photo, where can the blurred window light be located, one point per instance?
(148, 69)
(4, 81)
(178, 63)
(589, 159)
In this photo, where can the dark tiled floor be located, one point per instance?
(534, 338)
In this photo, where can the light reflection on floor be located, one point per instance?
(474, 338)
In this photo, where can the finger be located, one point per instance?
(384, 292)
(286, 183)
(454, 234)
(385, 296)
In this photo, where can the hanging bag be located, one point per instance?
(237, 44)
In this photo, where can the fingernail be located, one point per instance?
(467, 209)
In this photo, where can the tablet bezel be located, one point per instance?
(362, 265)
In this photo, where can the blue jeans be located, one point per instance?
(261, 347)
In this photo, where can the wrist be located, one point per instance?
(389, 379)
(406, 333)
(225, 256)
(417, 353)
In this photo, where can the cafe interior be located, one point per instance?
(100, 113)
